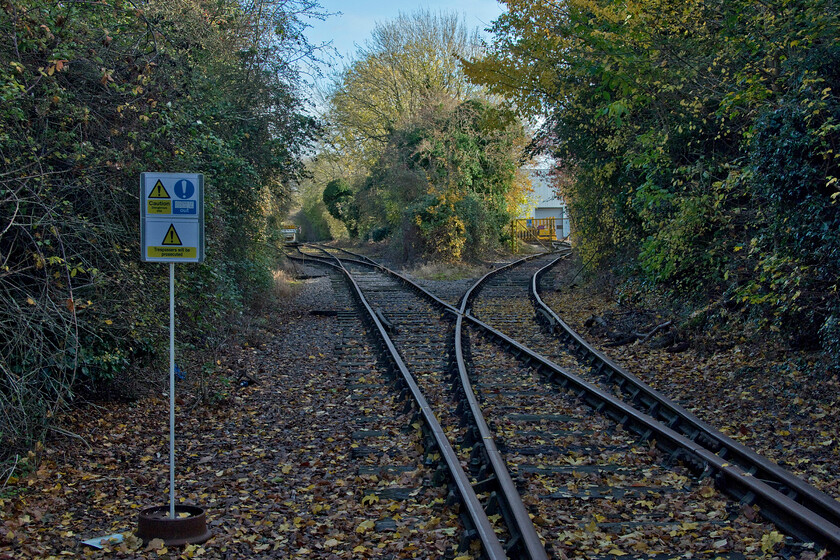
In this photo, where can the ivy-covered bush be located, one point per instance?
(91, 95)
(703, 138)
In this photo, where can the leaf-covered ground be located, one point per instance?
(767, 397)
(274, 464)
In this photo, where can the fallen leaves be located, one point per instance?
(365, 526)
(775, 401)
(275, 466)
(770, 540)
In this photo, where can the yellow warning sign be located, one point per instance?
(156, 206)
(171, 237)
(171, 252)
(159, 191)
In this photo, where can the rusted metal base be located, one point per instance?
(189, 526)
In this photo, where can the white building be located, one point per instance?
(544, 202)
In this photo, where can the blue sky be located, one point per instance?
(359, 16)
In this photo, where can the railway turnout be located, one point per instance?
(551, 450)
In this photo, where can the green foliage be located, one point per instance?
(702, 136)
(92, 94)
(339, 199)
(448, 178)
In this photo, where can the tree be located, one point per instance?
(428, 159)
(448, 180)
(408, 62)
(338, 198)
(702, 136)
(93, 93)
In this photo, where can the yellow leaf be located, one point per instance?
(617, 552)
(286, 469)
(370, 499)
(707, 491)
(770, 540)
(109, 322)
(360, 548)
(30, 301)
(365, 526)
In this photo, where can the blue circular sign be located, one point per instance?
(184, 189)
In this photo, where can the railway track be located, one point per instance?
(544, 477)
(396, 478)
(513, 304)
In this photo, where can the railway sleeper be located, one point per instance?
(485, 484)
(441, 475)
(467, 537)
(478, 456)
(497, 505)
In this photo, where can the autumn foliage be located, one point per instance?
(423, 157)
(702, 137)
(91, 95)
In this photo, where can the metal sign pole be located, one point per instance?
(172, 231)
(172, 390)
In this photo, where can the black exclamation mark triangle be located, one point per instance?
(171, 237)
(159, 191)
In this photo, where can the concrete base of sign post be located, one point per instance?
(189, 526)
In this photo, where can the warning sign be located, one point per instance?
(159, 206)
(171, 240)
(159, 191)
(171, 253)
(172, 217)
(171, 237)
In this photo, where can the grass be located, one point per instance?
(285, 286)
(445, 271)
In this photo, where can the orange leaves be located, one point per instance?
(107, 76)
(56, 66)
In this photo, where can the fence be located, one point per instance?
(530, 230)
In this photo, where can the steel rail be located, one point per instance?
(780, 509)
(528, 542)
(475, 288)
(493, 548)
(779, 505)
(357, 256)
(525, 539)
(691, 426)
(776, 506)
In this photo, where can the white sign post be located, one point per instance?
(172, 230)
